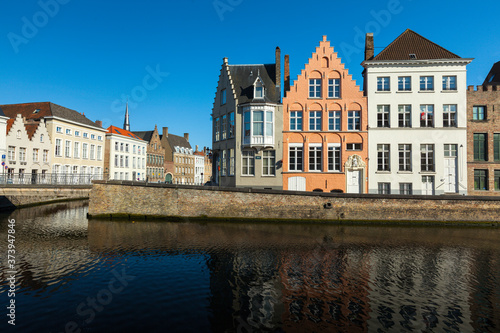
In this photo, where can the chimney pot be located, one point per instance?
(369, 46)
(287, 73)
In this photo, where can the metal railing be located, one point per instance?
(50, 178)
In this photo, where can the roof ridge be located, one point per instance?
(407, 32)
(430, 41)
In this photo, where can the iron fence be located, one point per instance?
(50, 178)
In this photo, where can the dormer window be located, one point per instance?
(258, 89)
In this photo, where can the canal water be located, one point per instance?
(75, 275)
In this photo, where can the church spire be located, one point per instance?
(126, 123)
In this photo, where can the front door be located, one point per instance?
(450, 175)
(354, 181)
(427, 185)
(297, 184)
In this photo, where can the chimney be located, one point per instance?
(369, 47)
(165, 132)
(186, 136)
(287, 73)
(278, 68)
(98, 123)
(196, 148)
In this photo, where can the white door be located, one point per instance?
(297, 184)
(427, 185)
(450, 175)
(354, 181)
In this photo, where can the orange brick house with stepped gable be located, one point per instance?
(324, 127)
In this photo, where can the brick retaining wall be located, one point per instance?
(157, 200)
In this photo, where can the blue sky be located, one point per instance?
(166, 55)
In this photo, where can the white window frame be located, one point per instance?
(404, 83)
(249, 157)
(334, 157)
(270, 170)
(383, 157)
(427, 115)
(352, 124)
(383, 83)
(450, 83)
(449, 115)
(296, 116)
(404, 115)
(334, 120)
(314, 88)
(297, 150)
(427, 83)
(333, 88)
(315, 120)
(384, 116)
(315, 158)
(58, 148)
(405, 157)
(427, 154)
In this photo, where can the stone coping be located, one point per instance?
(318, 194)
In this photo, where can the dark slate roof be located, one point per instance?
(493, 77)
(45, 109)
(409, 42)
(177, 141)
(145, 135)
(244, 76)
(116, 130)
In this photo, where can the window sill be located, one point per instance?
(247, 175)
(447, 92)
(383, 92)
(404, 92)
(269, 176)
(383, 172)
(427, 172)
(426, 91)
(405, 172)
(315, 97)
(334, 98)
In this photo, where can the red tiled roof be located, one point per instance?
(116, 130)
(31, 129)
(44, 109)
(409, 42)
(10, 122)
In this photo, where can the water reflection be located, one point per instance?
(252, 277)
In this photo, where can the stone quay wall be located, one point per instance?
(115, 199)
(18, 196)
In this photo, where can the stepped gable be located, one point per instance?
(409, 43)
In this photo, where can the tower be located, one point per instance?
(126, 123)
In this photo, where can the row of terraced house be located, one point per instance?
(414, 128)
(45, 143)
